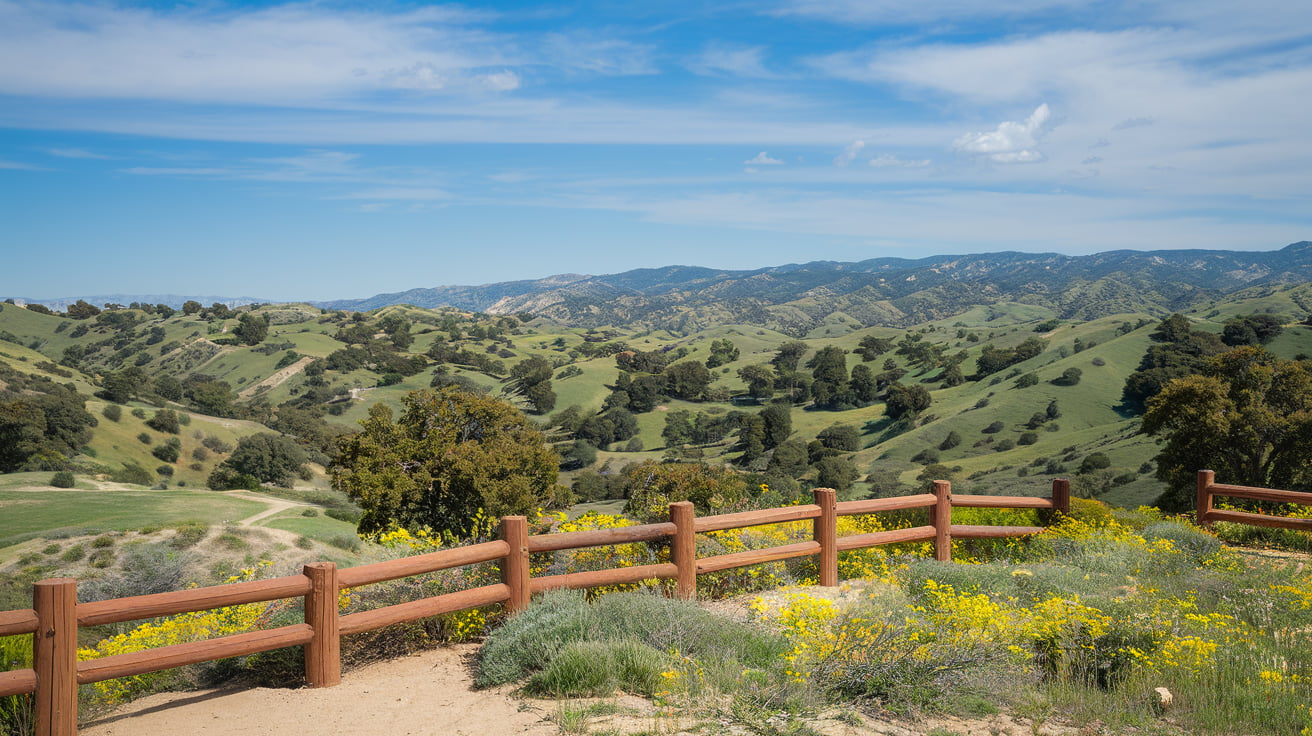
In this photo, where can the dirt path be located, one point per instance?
(275, 505)
(427, 693)
(277, 378)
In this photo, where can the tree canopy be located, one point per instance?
(1248, 416)
(453, 463)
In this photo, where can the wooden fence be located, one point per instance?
(56, 615)
(1209, 489)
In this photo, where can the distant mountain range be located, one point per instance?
(172, 300)
(895, 292)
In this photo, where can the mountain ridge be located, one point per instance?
(892, 292)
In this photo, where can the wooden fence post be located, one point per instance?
(323, 655)
(1061, 502)
(54, 656)
(683, 549)
(825, 531)
(1205, 480)
(941, 517)
(1061, 495)
(514, 569)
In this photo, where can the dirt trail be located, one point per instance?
(277, 378)
(275, 505)
(427, 693)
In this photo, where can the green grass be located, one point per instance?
(29, 514)
(321, 528)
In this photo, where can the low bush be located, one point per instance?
(62, 479)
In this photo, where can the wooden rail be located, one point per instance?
(1209, 489)
(55, 616)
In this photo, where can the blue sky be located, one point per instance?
(330, 150)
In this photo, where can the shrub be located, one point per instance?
(600, 668)
(347, 515)
(1027, 438)
(145, 438)
(62, 479)
(74, 553)
(164, 471)
(1027, 380)
(189, 534)
(347, 542)
(165, 420)
(166, 452)
(927, 456)
(1094, 461)
(952, 440)
(102, 541)
(216, 445)
(993, 428)
(132, 473)
(139, 413)
(310, 513)
(112, 412)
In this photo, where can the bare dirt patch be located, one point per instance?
(427, 693)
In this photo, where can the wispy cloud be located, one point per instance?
(18, 166)
(738, 61)
(289, 54)
(849, 153)
(888, 160)
(763, 159)
(75, 153)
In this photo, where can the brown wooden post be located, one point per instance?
(514, 569)
(683, 549)
(825, 531)
(323, 655)
(1061, 502)
(54, 656)
(941, 517)
(1205, 480)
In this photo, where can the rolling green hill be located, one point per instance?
(316, 372)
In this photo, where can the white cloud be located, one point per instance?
(763, 159)
(15, 165)
(741, 61)
(288, 54)
(865, 12)
(886, 160)
(409, 194)
(1133, 123)
(1010, 142)
(75, 153)
(503, 81)
(849, 153)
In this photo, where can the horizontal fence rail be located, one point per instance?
(1209, 489)
(55, 617)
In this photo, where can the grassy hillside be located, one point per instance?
(328, 368)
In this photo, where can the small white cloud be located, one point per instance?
(1133, 123)
(74, 153)
(889, 160)
(409, 194)
(17, 166)
(849, 154)
(503, 81)
(1011, 142)
(763, 159)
